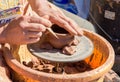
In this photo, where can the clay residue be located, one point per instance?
(59, 68)
(88, 64)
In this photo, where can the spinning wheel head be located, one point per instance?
(83, 50)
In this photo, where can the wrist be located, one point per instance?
(38, 4)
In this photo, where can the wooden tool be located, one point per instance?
(53, 33)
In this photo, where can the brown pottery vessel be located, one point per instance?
(101, 61)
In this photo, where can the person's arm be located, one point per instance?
(54, 14)
(38, 4)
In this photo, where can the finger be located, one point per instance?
(73, 25)
(32, 40)
(40, 20)
(35, 27)
(46, 16)
(62, 23)
(27, 40)
(31, 34)
(76, 28)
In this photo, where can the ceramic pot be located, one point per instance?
(63, 37)
(101, 63)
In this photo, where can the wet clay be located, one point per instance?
(65, 41)
(59, 68)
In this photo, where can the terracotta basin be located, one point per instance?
(101, 61)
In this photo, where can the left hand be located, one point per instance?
(25, 30)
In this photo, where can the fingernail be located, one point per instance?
(80, 33)
(74, 33)
(49, 24)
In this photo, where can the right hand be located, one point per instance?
(53, 13)
(25, 30)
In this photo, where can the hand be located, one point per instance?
(25, 30)
(56, 16)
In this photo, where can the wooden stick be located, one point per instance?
(53, 33)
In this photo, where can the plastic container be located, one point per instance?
(61, 1)
(67, 5)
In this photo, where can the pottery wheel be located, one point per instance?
(83, 50)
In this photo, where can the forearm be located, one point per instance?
(38, 4)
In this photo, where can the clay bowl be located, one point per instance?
(101, 61)
(63, 37)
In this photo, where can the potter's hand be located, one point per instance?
(55, 15)
(24, 30)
